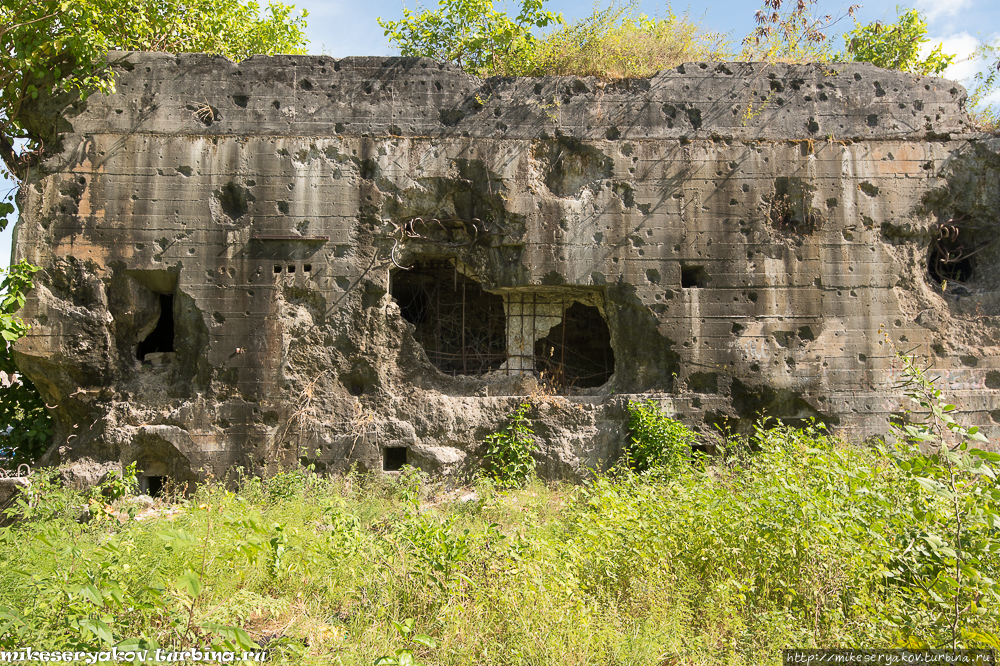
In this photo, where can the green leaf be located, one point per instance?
(190, 584)
(930, 485)
(91, 594)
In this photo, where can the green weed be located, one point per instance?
(508, 452)
(790, 539)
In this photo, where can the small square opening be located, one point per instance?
(307, 268)
(152, 485)
(291, 268)
(693, 277)
(393, 458)
(277, 269)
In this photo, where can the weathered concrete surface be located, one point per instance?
(750, 235)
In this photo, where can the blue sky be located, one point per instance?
(343, 27)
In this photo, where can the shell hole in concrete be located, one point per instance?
(161, 338)
(152, 485)
(577, 353)
(393, 458)
(461, 328)
(693, 277)
(951, 260)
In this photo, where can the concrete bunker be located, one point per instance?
(644, 236)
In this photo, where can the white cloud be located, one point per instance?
(935, 9)
(962, 45)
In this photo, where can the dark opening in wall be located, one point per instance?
(693, 277)
(393, 458)
(952, 265)
(577, 353)
(161, 338)
(152, 485)
(952, 254)
(461, 327)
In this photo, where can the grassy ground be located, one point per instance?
(785, 542)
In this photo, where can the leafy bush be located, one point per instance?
(658, 442)
(25, 424)
(471, 34)
(986, 118)
(612, 43)
(508, 453)
(897, 46)
(950, 562)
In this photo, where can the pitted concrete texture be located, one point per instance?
(374, 260)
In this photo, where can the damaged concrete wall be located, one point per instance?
(369, 260)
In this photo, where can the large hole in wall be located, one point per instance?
(955, 252)
(950, 264)
(461, 327)
(557, 333)
(161, 338)
(394, 458)
(577, 352)
(152, 485)
(560, 334)
(146, 311)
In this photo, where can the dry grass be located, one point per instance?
(615, 44)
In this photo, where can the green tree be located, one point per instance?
(55, 52)
(58, 48)
(472, 34)
(897, 46)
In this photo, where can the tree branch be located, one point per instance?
(11, 159)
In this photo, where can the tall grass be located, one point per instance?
(615, 43)
(783, 542)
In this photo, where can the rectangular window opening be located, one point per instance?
(393, 458)
(277, 269)
(693, 277)
(307, 268)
